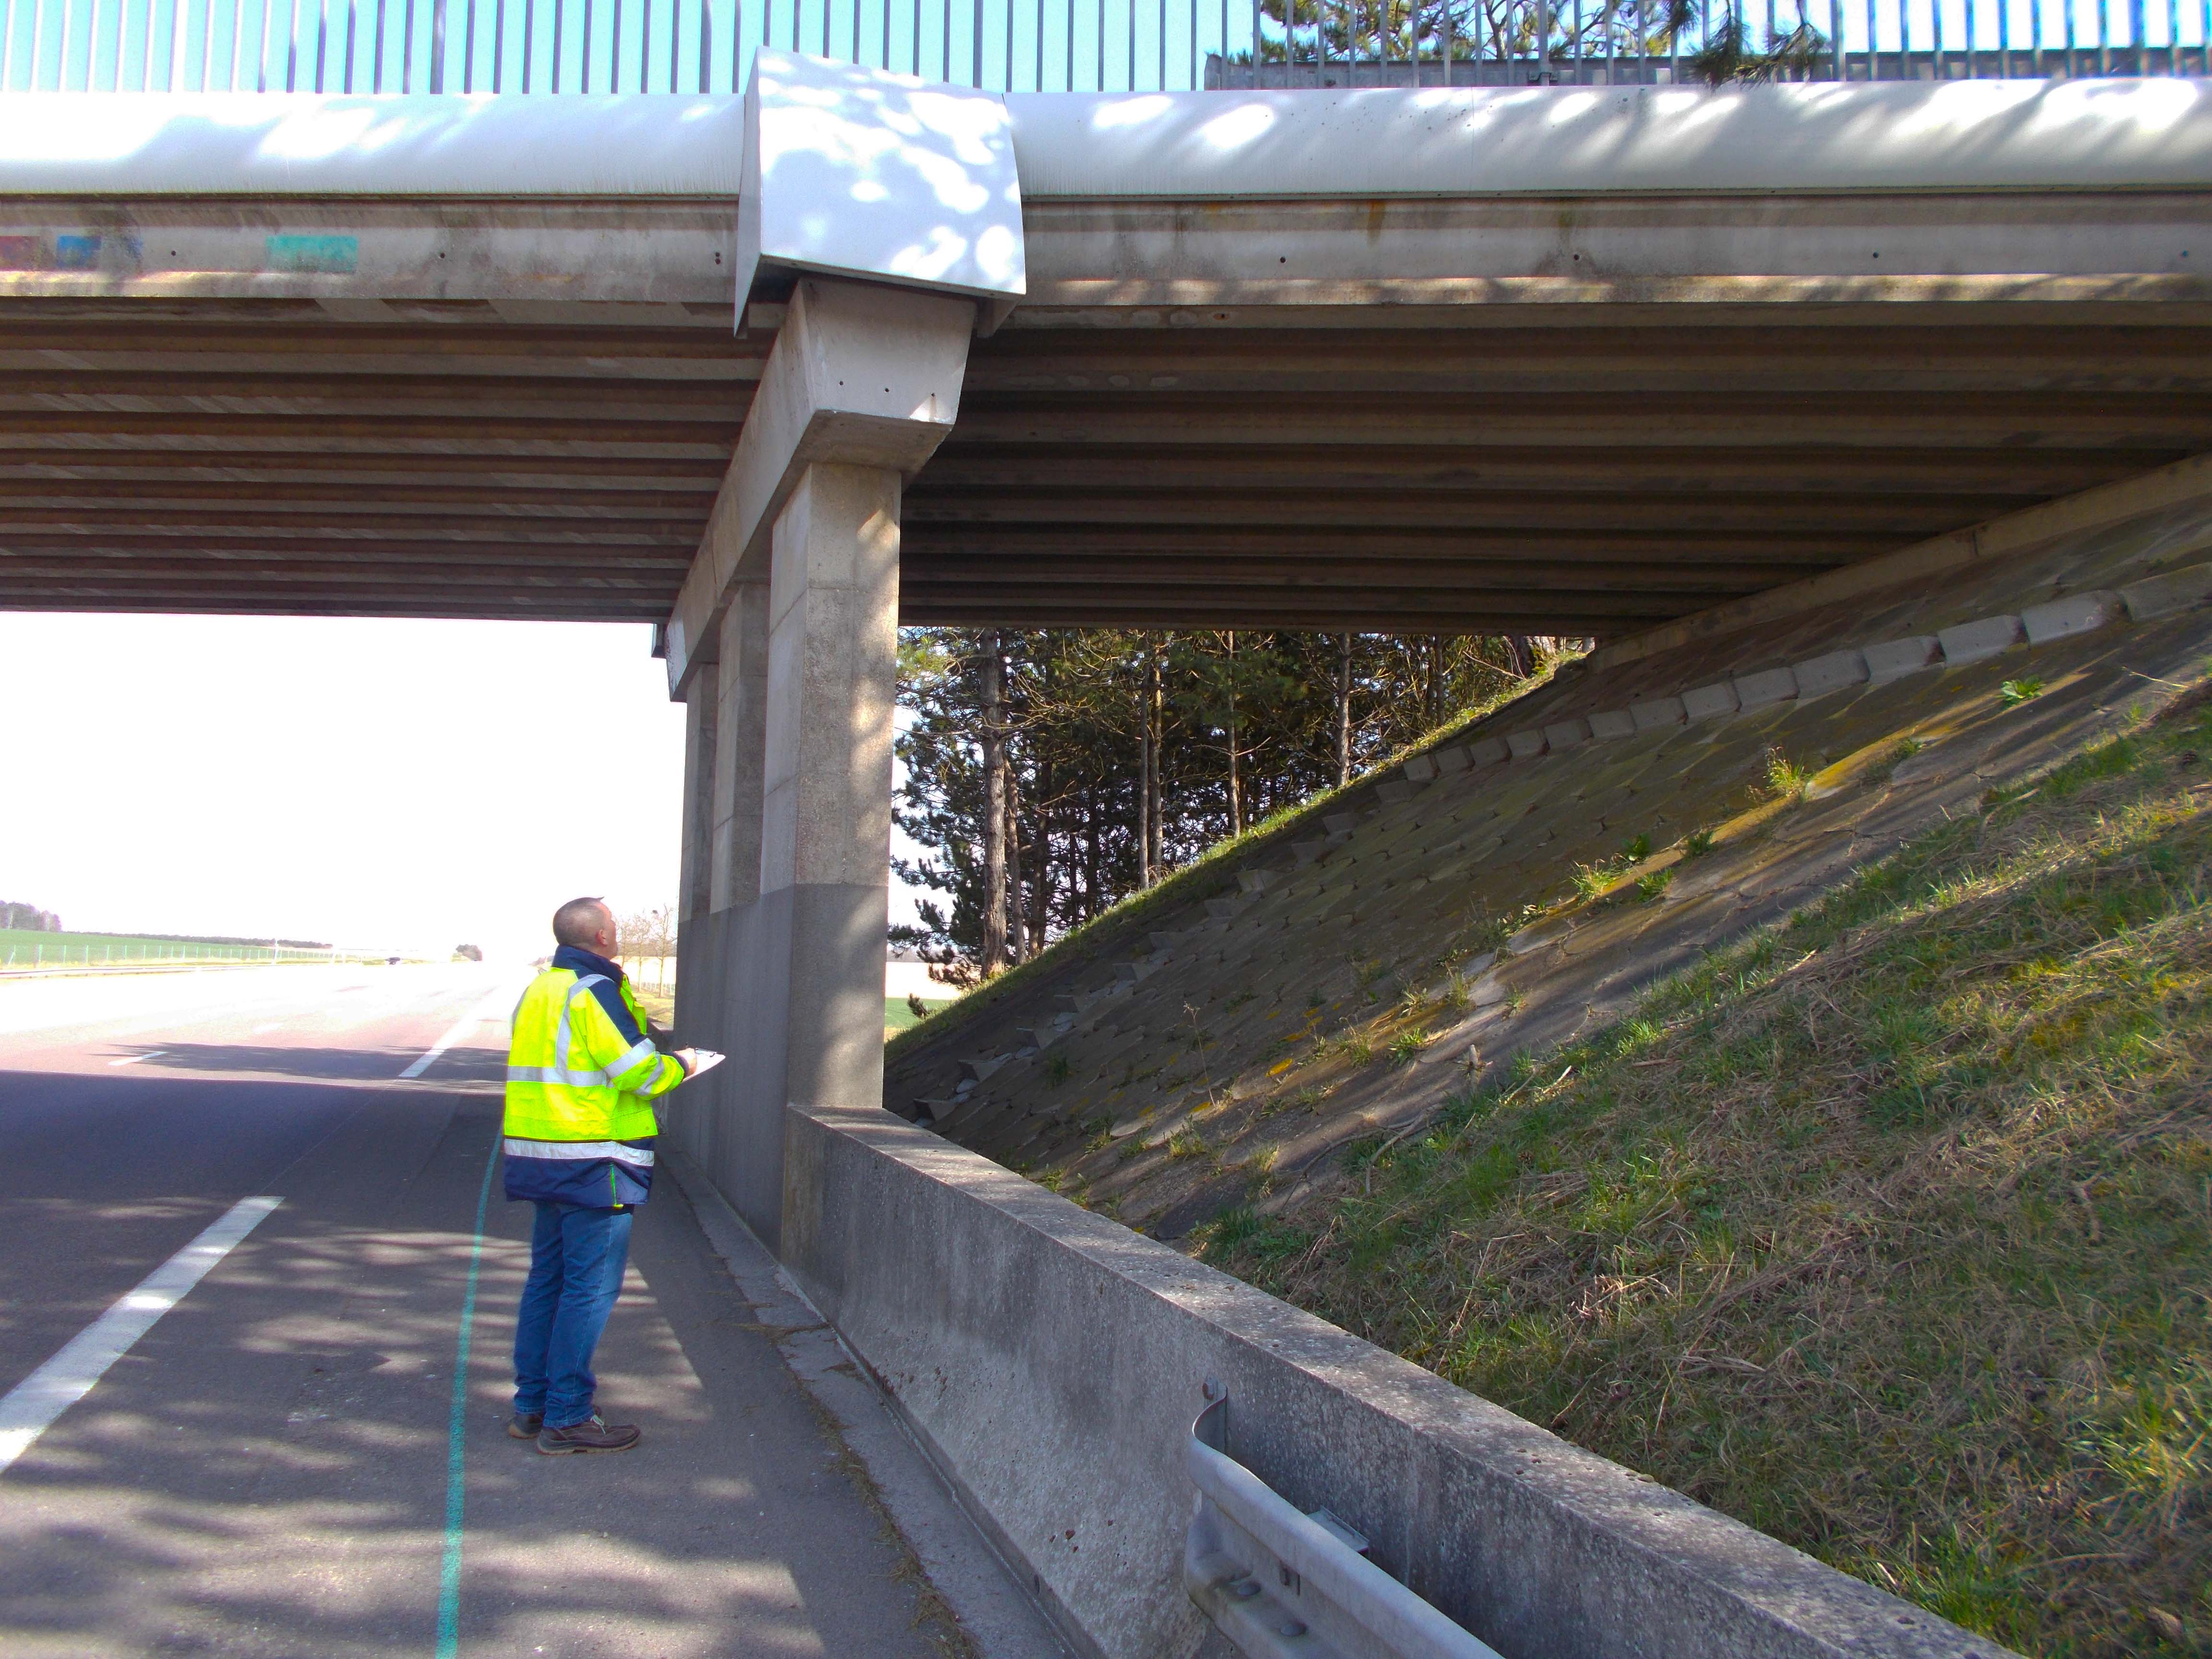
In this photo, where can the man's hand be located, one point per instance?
(696, 1060)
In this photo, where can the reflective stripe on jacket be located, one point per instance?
(580, 1078)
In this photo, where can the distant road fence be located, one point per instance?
(475, 46)
(26, 953)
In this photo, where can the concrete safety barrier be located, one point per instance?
(1051, 1362)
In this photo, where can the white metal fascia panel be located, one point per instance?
(855, 171)
(1798, 138)
(142, 144)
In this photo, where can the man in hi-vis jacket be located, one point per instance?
(580, 1081)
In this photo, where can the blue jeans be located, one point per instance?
(576, 1261)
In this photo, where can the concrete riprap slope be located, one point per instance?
(1347, 973)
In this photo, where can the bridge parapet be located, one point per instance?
(478, 46)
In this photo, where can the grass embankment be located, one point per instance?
(1888, 1231)
(1211, 871)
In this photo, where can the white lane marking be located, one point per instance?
(476, 1015)
(132, 1060)
(29, 1408)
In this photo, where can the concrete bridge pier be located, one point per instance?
(784, 648)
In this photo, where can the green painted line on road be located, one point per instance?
(449, 1576)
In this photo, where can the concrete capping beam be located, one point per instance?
(1766, 688)
(1980, 639)
(1892, 659)
(2091, 509)
(2075, 613)
(1657, 714)
(2164, 595)
(1706, 703)
(1488, 751)
(1049, 1362)
(860, 376)
(1568, 733)
(1613, 723)
(1835, 671)
(1525, 745)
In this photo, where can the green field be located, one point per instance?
(20, 947)
(897, 1016)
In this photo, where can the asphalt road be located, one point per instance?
(266, 1471)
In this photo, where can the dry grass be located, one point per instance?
(1889, 1230)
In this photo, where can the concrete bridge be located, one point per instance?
(779, 373)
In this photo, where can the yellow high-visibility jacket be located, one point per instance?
(581, 1075)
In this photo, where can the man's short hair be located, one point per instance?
(577, 922)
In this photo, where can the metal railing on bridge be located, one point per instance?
(478, 46)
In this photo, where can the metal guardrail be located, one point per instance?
(1283, 1585)
(1108, 45)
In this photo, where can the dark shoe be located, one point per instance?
(524, 1426)
(593, 1434)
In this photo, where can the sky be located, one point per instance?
(395, 784)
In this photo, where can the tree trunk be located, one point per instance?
(1144, 781)
(1018, 945)
(1235, 781)
(1436, 681)
(1040, 884)
(1344, 711)
(1520, 655)
(1157, 718)
(994, 809)
(1093, 878)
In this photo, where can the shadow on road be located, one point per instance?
(316, 1064)
(266, 1472)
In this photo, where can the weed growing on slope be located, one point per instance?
(1889, 1230)
(1785, 778)
(1592, 881)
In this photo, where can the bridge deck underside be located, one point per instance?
(1572, 468)
(260, 456)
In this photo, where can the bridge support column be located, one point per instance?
(694, 884)
(794, 592)
(740, 728)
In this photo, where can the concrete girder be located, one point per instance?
(640, 263)
(1598, 246)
